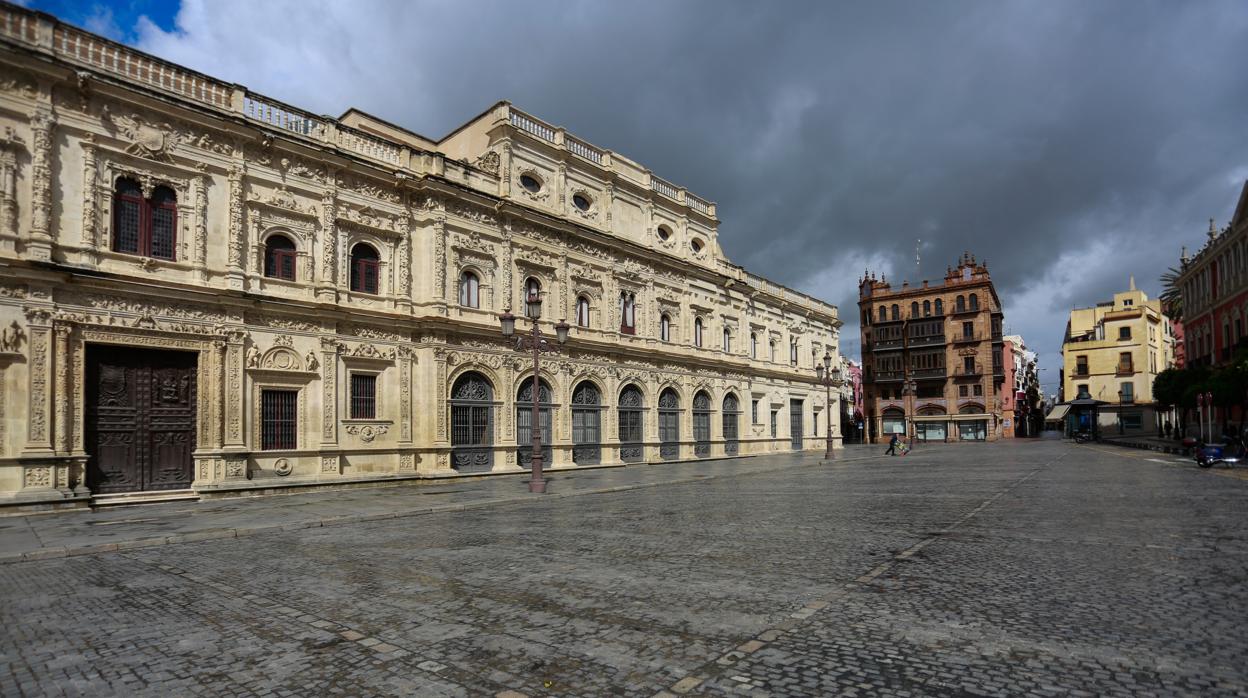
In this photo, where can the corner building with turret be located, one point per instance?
(206, 292)
(932, 357)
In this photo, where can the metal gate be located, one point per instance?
(669, 425)
(795, 424)
(586, 424)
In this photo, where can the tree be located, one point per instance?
(1171, 295)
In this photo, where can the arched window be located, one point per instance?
(697, 332)
(793, 351)
(532, 287)
(469, 290)
(940, 307)
(701, 425)
(364, 268)
(472, 423)
(974, 302)
(524, 421)
(731, 416)
(630, 423)
(665, 328)
(727, 340)
(959, 304)
(582, 311)
(753, 345)
(883, 314)
(896, 312)
(279, 258)
(586, 424)
(669, 425)
(914, 309)
(141, 226)
(927, 308)
(628, 313)
(771, 348)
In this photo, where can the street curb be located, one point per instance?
(223, 533)
(1172, 450)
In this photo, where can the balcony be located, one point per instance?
(968, 371)
(998, 370)
(965, 310)
(1124, 370)
(1126, 399)
(890, 376)
(928, 373)
(1080, 372)
(929, 341)
(886, 344)
(968, 338)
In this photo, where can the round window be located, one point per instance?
(696, 245)
(664, 232)
(581, 201)
(530, 183)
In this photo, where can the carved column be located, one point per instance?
(234, 391)
(403, 265)
(219, 353)
(38, 427)
(9, 145)
(325, 290)
(201, 225)
(237, 232)
(90, 202)
(405, 395)
(62, 388)
(508, 265)
(440, 261)
(329, 404)
(42, 125)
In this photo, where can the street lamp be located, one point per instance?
(533, 311)
(830, 378)
(911, 389)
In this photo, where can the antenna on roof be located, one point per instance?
(918, 261)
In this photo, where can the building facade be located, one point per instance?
(1113, 352)
(1020, 388)
(1214, 285)
(204, 292)
(932, 356)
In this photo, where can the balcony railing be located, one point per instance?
(582, 149)
(967, 338)
(886, 345)
(924, 373)
(964, 310)
(1080, 372)
(890, 376)
(968, 371)
(928, 341)
(1127, 399)
(1124, 370)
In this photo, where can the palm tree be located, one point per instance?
(1171, 295)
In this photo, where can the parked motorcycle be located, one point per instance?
(1208, 455)
(1083, 437)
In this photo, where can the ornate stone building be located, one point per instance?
(203, 291)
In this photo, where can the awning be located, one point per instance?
(1058, 413)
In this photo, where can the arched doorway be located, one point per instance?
(586, 424)
(524, 422)
(701, 424)
(669, 425)
(731, 416)
(892, 421)
(632, 435)
(472, 423)
(929, 424)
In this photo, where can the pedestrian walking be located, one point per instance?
(892, 446)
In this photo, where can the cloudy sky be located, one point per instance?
(1071, 144)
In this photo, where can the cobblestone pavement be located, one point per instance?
(1018, 568)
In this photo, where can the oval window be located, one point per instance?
(696, 245)
(581, 201)
(664, 233)
(530, 183)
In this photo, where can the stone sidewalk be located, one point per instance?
(64, 534)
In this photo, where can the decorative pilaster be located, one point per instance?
(403, 264)
(42, 124)
(506, 296)
(439, 359)
(329, 395)
(238, 231)
(38, 433)
(234, 391)
(326, 288)
(90, 202)
(201, 224)
(61, 390)
(219, 355)
(9, 146)
(405, 395)
(439, 254)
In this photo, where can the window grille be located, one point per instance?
(363, 396)
(278, 419)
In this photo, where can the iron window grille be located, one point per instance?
(363, 396)
(278, 419)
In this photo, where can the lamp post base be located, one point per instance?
(537, 486)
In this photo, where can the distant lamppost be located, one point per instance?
(911, 389)
(538, 344)
(830, 378)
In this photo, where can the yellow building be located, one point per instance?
(1113, 351)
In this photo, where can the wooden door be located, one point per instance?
(140, 419)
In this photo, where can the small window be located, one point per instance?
(582, 311)
(665, 328)
(927, 308)
(727, 340)
(940, 307)
(469, 290)
(974, 302)
(978, 390)
(363, 396)
(664, 233)
(914, 309)
(962, 391)
(771, 349)
(695, 245)
(883, 314)
(628, 313)
(279, 419)
(1124, 333)
(754, 412)
(960, 303)
(364, 269)
(530, 183)
(793, 352)
(896, 312)
(279, 258)
(582, 202)
(697, 332)
(1081, 388)
(753, 345)
(532, 287)
(141, 226)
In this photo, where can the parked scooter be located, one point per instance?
(1083, 437)
(1229, 454)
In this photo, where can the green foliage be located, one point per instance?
(1171, 295)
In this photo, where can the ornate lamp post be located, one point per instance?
(535, 342)
(830, 378)
(911, 389)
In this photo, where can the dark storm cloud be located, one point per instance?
(831, 135)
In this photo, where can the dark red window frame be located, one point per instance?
(365, 271)
(279, 260)
(147, 227)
